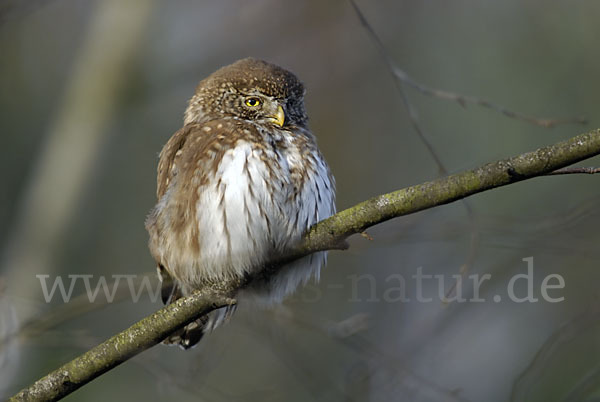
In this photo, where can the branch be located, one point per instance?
(329, 234)
(141, 336)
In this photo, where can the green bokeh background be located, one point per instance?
(537, 57)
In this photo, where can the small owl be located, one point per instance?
(237, 185)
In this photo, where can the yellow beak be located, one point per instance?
(279, 118)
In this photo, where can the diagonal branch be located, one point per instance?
(329, 233)
(326, 235)
(141, 336)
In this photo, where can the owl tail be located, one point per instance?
(192, 333)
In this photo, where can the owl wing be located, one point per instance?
(166, 164)
(165, 175)
(167, 170)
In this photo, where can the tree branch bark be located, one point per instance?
(326, 235)
(141, 336)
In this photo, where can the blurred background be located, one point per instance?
(90, 91)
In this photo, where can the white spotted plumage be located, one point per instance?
(237, 185)
(242, 223)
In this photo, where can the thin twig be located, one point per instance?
(400, 78)
(462, 100)
(576, 170)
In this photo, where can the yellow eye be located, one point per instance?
(252, 102)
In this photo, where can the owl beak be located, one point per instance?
(279, 118)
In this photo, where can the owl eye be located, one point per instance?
(252, 101)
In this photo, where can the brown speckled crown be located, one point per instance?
(215, 96)
(250, 73)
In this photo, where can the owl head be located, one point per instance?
(249, 89)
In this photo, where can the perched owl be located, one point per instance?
(238, 184)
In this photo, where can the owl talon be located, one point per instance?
(366, 236)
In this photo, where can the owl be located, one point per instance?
(237, 185)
